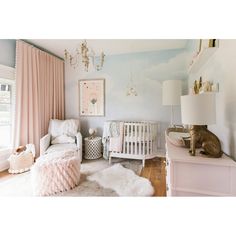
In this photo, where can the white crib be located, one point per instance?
(139, 141)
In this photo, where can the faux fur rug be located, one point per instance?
(124, 181)
(20, 185)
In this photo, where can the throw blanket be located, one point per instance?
(55, 157)
(112, 137)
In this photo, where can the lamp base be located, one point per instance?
(200, 135)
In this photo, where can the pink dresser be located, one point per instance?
(198, 176)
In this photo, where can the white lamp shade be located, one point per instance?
(199, 109)
(171, 92)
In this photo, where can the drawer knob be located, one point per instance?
(167, 188)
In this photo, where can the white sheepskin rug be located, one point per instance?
(122, 180)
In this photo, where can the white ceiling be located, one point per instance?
(110, 46)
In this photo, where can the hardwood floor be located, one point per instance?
(154, 170)
(4, 175)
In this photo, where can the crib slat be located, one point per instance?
(139, 136)
(132, 138)
(124, 137)
(136, 138)
(130, 143)
(148, 138)
(151, 134)
(128, 133)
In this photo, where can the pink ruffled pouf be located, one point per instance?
(55, 172)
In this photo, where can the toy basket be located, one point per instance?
(22, 162)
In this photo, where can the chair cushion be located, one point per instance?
(59, 127)
(62, 147)
(63, 139)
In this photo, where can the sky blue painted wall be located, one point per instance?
(148, 69)
(7, 52)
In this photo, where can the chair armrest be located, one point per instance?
(79, 144)
(44, 143)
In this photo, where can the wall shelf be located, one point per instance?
(202, 59)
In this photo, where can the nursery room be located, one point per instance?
(117, 117)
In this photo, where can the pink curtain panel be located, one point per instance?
(39, 93)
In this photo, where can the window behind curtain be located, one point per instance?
(7, 93)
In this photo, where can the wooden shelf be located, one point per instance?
(202, 59)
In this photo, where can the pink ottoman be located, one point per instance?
(55, 172)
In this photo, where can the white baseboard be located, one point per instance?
(4, 165)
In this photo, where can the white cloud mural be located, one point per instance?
(148, 70)
(175, 68)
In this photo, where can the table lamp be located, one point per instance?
(171, 92)
(199, 110)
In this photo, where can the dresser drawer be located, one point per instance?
(233, 181)
(205, 178)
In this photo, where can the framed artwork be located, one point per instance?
(92, 97)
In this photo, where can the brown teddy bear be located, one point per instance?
(19, 150)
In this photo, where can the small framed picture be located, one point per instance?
(92, 97)
(213, 43)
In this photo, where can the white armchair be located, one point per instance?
(62, 128)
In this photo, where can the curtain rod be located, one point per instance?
(40, 48)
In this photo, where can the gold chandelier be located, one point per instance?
(86, 55)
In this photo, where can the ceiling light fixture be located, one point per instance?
(131, 90)
(86, 55)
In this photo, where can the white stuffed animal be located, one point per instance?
(92, 132)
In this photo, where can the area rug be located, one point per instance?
(124, 181)
(20, 185)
